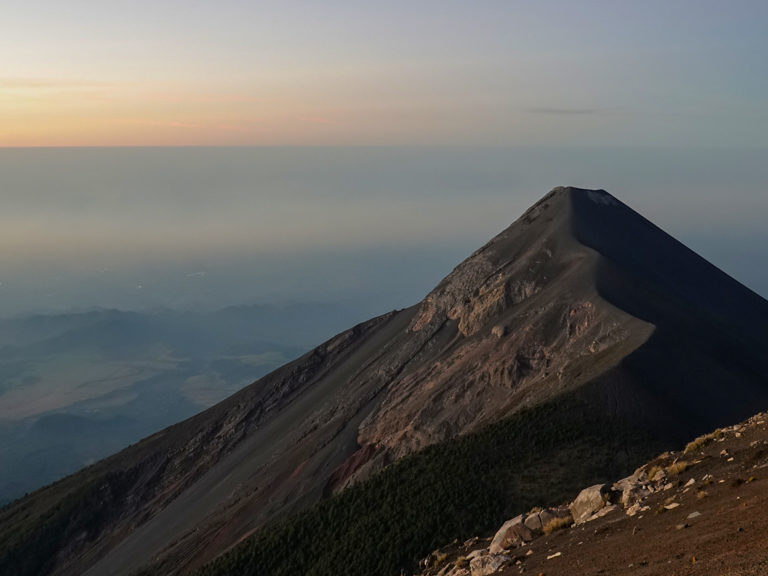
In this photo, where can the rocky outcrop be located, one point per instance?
(525, 527)
(488, 564)
(543, 520)
(679, 486)
(632, 489)
(589, 501)
(512, 533)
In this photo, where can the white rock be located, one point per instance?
(548, 514)
(589, 501)
(533, 523)
(476, 553)
(484, 565)
(512, 533)
(606, 510)
(499, 331)
(632, 488)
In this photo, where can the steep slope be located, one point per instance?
(447, 492)
(580, 298)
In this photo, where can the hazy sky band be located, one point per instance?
(188, 227)
(682, 73)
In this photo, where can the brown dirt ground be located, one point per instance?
(729, 538)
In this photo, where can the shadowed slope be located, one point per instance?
(706, 364)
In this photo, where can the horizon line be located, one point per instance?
(389, 146)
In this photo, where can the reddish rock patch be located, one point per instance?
(349, 467)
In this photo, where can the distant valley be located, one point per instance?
(77, 387)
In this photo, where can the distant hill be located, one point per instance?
(573, 345)
(77, 387)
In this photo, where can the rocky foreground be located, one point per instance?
(703, 510)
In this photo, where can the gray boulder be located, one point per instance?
(588, 502)
(488, 564)
(533, 523)
(537, 521)
(547, 515)
(512, 533)
(632, 489)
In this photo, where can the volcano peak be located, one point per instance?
(580, 306)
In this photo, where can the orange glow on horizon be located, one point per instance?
(43, 113)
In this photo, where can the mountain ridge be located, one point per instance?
(558, 303)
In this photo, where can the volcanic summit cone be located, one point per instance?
(580, 297)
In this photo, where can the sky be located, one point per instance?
(196, 154)
(374, 227)
(433, 72)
